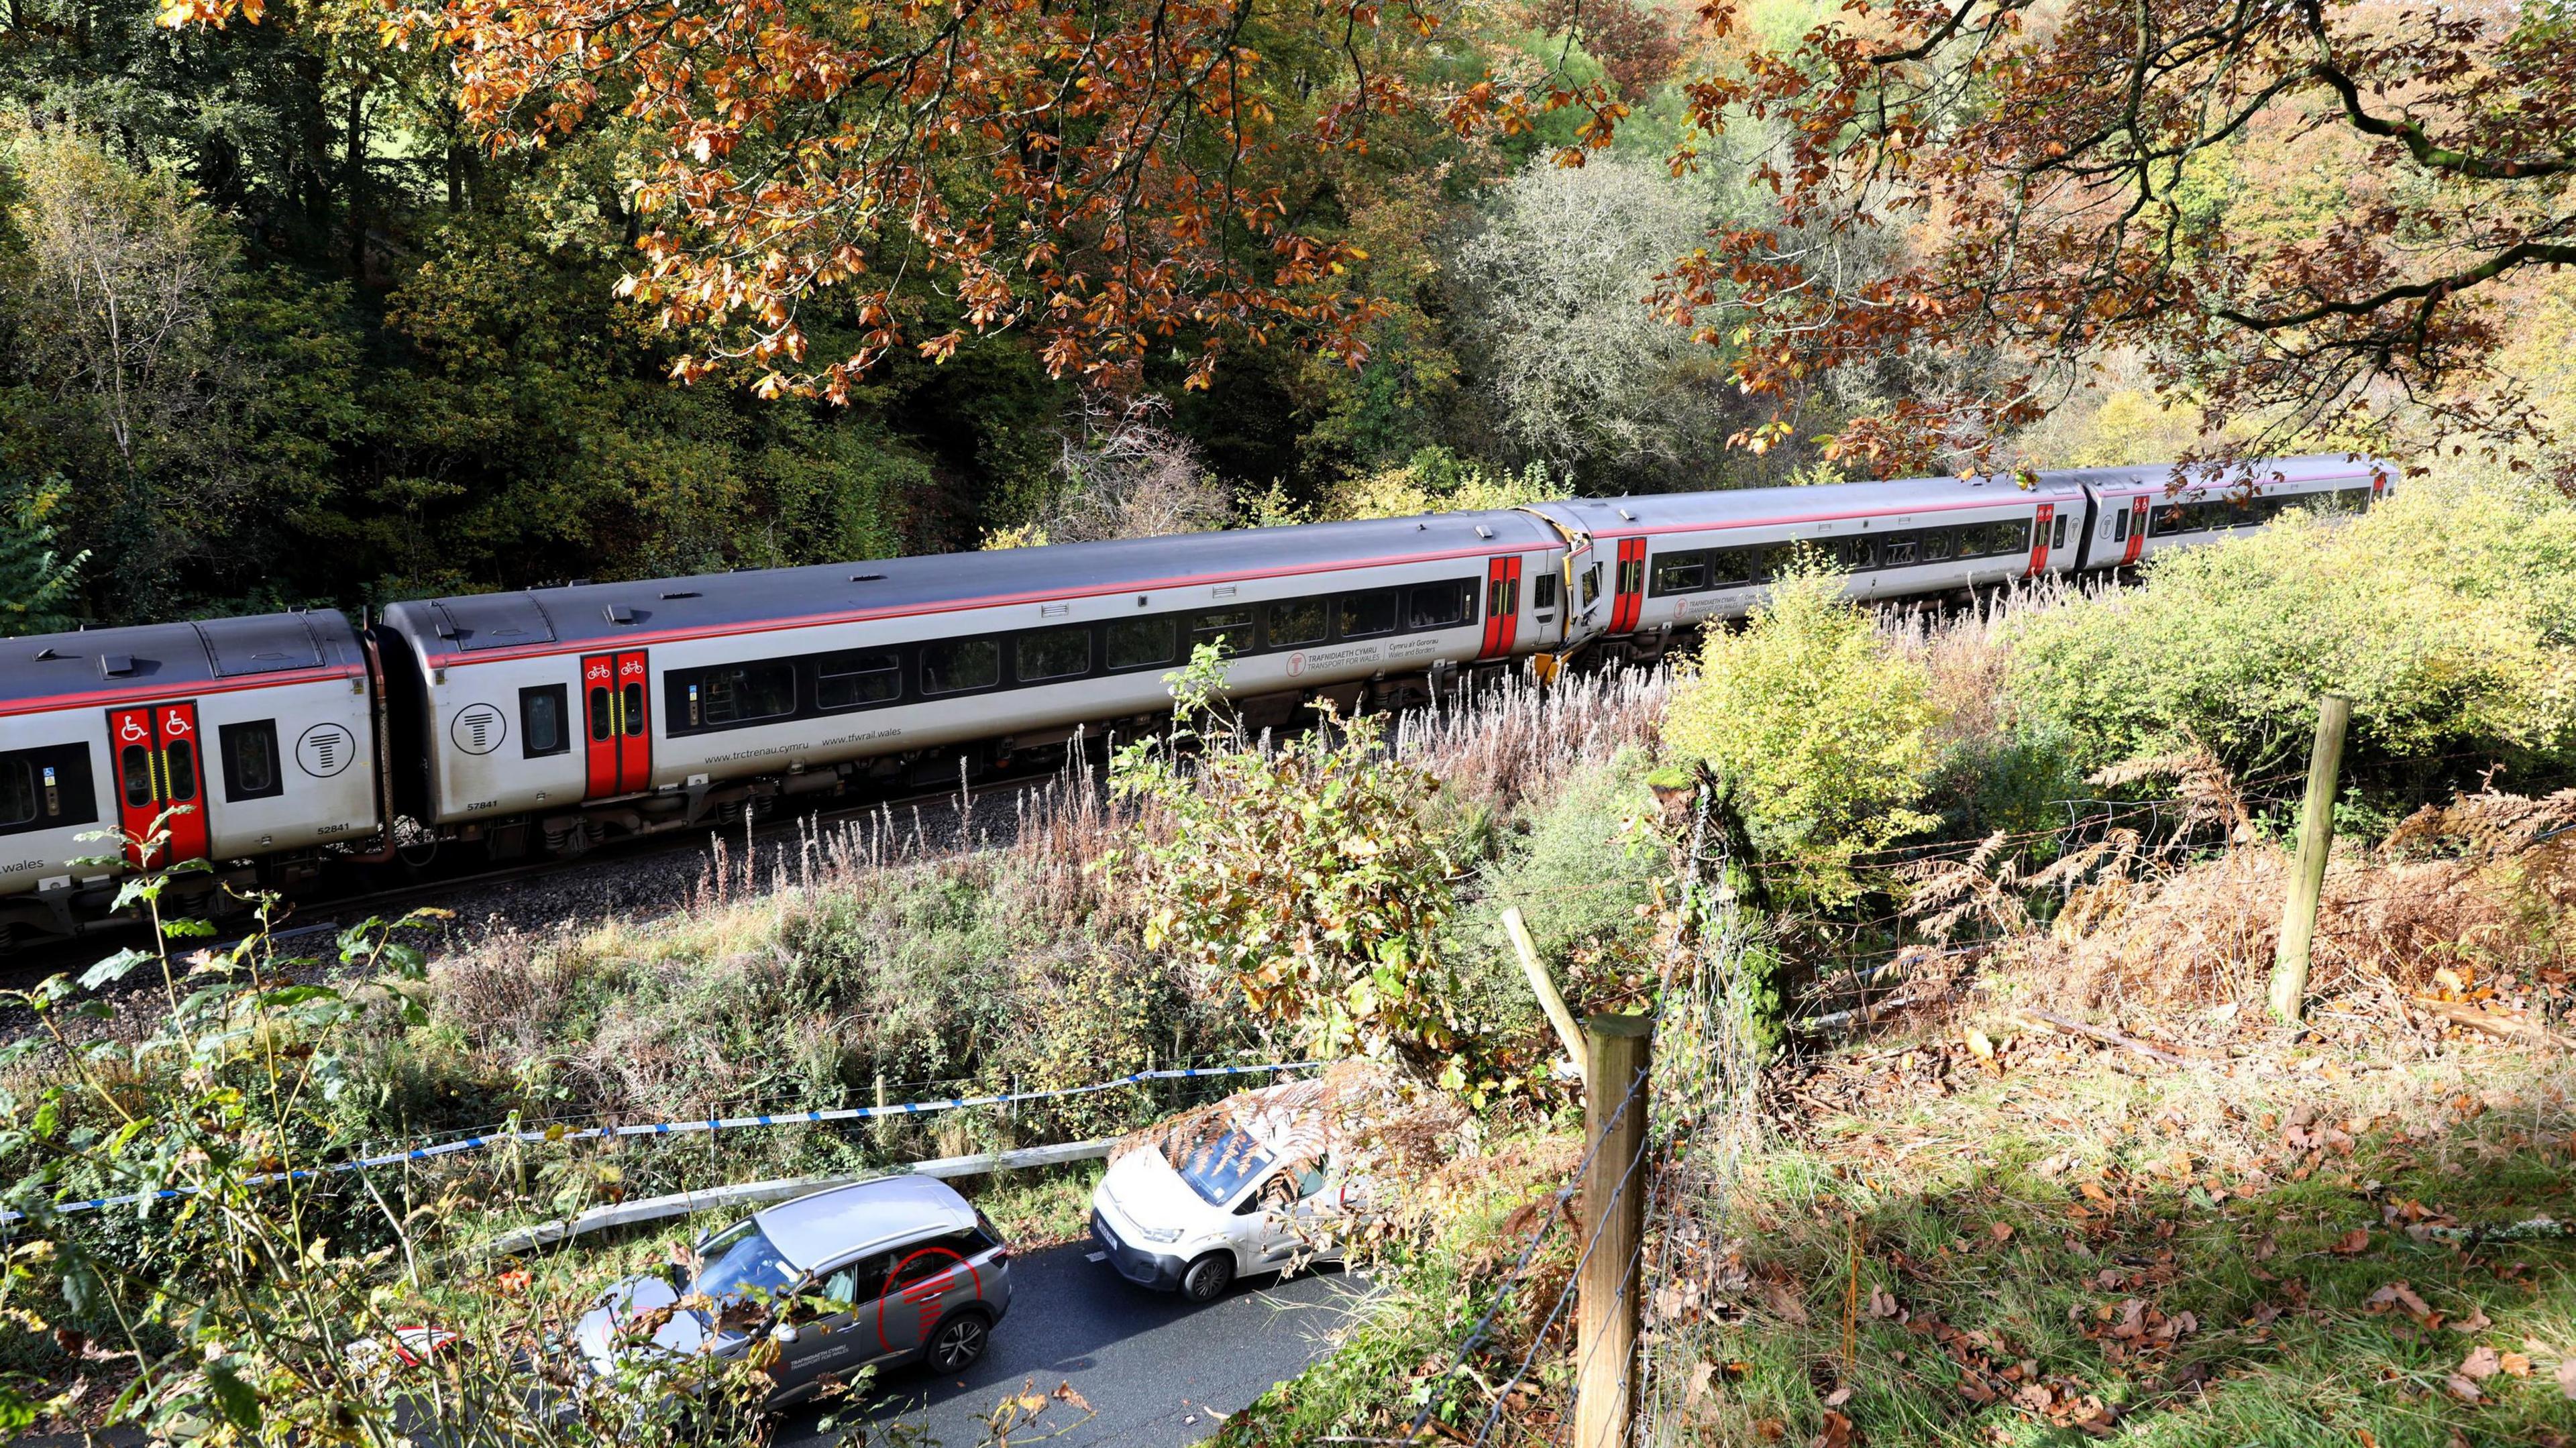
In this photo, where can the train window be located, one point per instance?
(853, 677)
(48, 788)
(18, 800)
(543, 729)
(722, 698)
(180, 762)
(1139, 643)
(1229, 628)
(2353, 500)
(1632, 575)
(1897, 552)
(2010, 536)
(250, 760)
(1543, 592)
(1366, 615)
(134, 764)
(631, 714)
(1778, 560)
(1443, 605)
(1859, 554)
(600, 723)
(1297, 621)
(953, 666)
(2058, 539)
(2120, 526)
(1680, 573)
(1057, 653)
(1591, 584)
(1728, 567)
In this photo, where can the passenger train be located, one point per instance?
(547, 720)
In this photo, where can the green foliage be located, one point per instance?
(1437, 480)
(2011, 780)
(1822, 732)
(36, 581)
(1299, 872)
(2447, 614)
(1583, 877)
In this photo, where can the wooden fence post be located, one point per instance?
(2316, 839)
(1610, 1282)
(1549, 1001)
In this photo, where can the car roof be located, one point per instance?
(813, 1231)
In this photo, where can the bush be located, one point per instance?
(243, 1293)
(1822, 729)
(2446, 613)
(1582, 878)
(1302, 875)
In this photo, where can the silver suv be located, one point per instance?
(881, 1272)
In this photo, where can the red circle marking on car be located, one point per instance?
(914, 1293)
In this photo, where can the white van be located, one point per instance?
(1251, 1185)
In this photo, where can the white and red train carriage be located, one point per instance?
(249, 743)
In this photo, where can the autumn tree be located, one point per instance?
(1634, 43)
(2077, 178)
(1107, 177)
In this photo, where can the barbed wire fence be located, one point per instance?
(1706, 1118)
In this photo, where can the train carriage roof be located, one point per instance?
(607, 614)
(1754, 507)
(94, 667)
(2293, 473)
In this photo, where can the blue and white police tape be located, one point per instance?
(673, 1128)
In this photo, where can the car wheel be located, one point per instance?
(1208, 1277)
(959, 1342)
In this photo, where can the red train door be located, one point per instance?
(2039, 539)
(1628, 602)
(617, 720)
(1502, 607)
(159, 769)
(2137, 530)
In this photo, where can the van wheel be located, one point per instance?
(959, 1342)
(1208, 1277)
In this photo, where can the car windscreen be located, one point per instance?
(1219, 1167)
(742, 1261)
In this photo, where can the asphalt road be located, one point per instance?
(1157, 1371)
